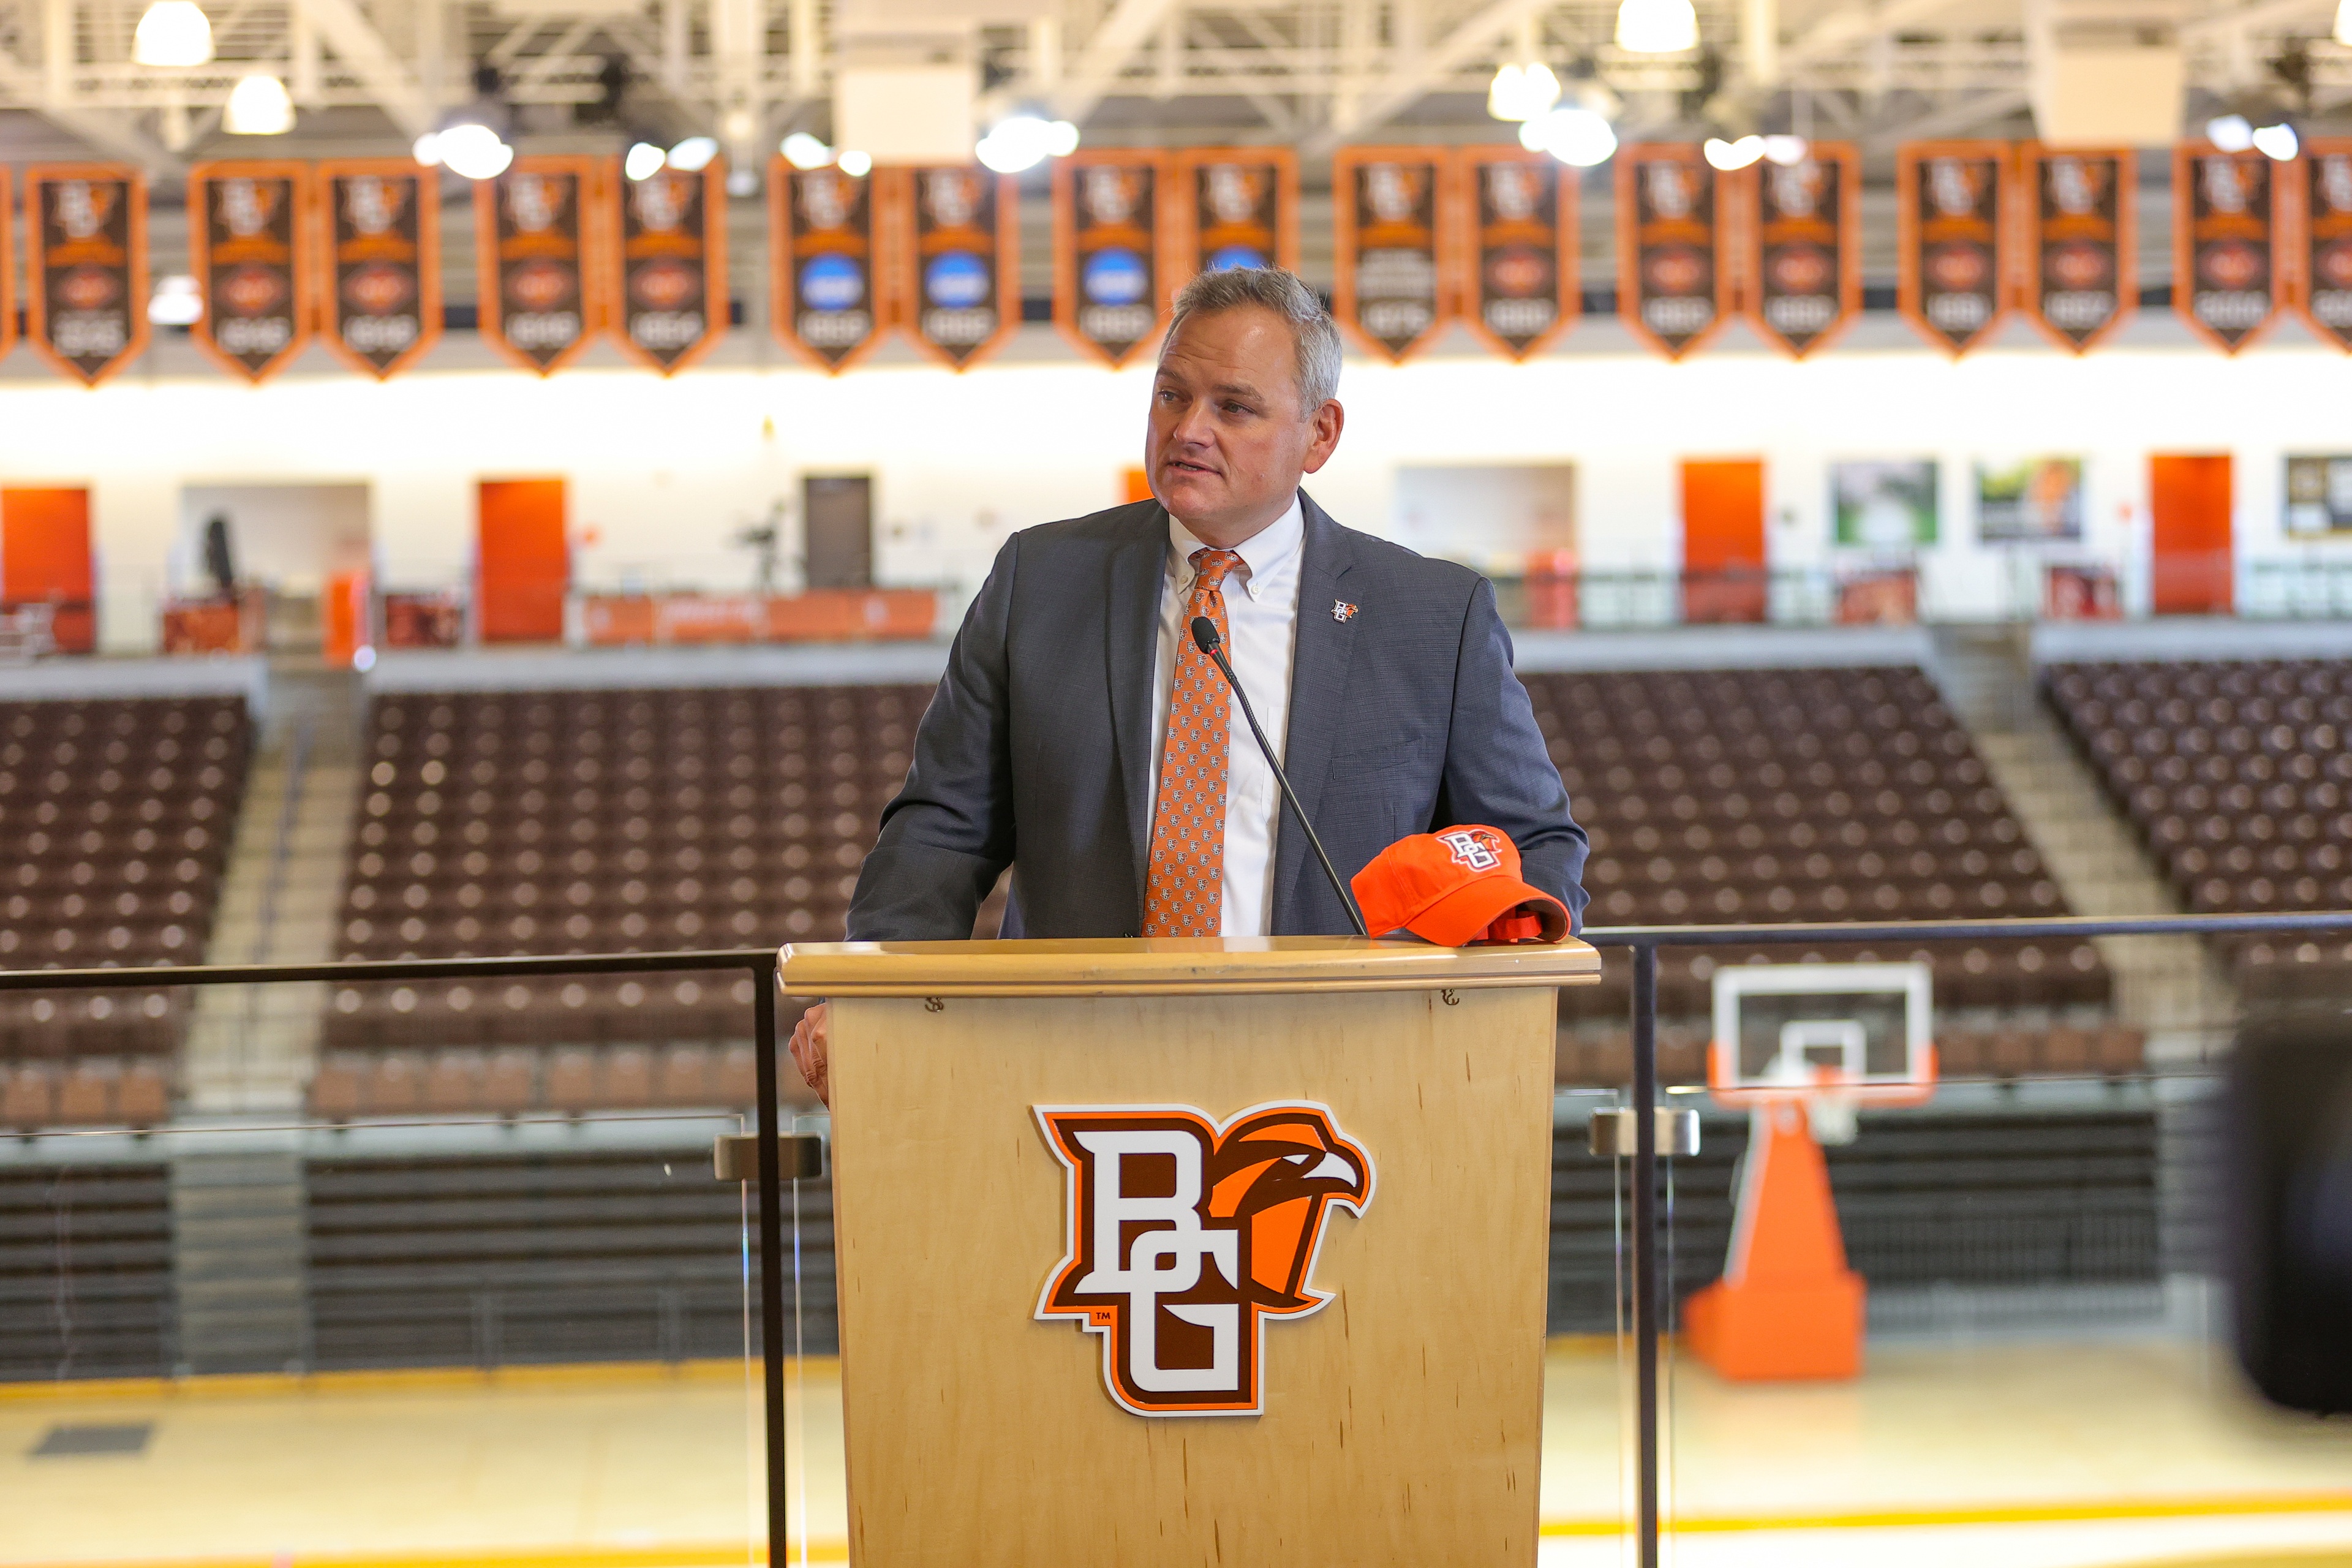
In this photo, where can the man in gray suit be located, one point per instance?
(1080, 737)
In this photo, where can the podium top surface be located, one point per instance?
(1171, 966)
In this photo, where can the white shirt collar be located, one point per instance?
(1269, 547)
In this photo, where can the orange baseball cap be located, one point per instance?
(1456, 888)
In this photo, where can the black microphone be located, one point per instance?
(1205, 639)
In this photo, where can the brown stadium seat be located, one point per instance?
(28, 1096)
(1781, 796)
(115, 816)
(2237, 776)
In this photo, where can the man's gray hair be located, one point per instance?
(1271, 289)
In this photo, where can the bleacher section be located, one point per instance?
(1720, 796)
(2237, 778)
(115, 818)
(596, 822)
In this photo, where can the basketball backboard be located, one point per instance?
(1860, 1032)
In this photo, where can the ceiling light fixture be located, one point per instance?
(2229, 132)
(1024, 140)
(643, 162)
(1522, 91)
(802, 150)
(1657, 26)
(258, 105)
(1575, 135)
(472, 150)
(173, 33)
(1730, 155)
(855, 165)
(1785, 150)
(693, 155)
(2344, 23)
(2278, 142)
(175, 302)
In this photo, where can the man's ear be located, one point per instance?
(1327, 422)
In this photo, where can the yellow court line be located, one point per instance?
(2053, 1512)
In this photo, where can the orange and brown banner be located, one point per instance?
(2225, 251)
(1516, 246)
(1673, 286)
(958, 285)
(1386, 271)
(535, 248)
(1804, 239)
(669, 302)
(85, 262)
(1237, 207)
(379, 263)
(7, 262)
(1110, 273)
(824, 270)
(2323, 241)
(249, 247)
(2078, 279)
(1952, 207)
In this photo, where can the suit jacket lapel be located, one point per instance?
(1139, 568)
(1318, 679)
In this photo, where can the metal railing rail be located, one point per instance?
(1643, 941)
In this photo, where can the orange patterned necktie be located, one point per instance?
(1185, 893)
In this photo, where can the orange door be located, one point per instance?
(1723, 539)
(2189, 566)
(525, 563)
(44, 560)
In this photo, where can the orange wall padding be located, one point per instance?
(2190, 534)
(525, 561)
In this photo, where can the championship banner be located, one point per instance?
(1237, 207)
(959, 287)
(533, 228)
(1110, 292)
(669, 301)
(249, 247)
(1804, 259)
(2079, 280)
(7, 262)
(1386, 260)
(2225, 253)
(379, 286)
(2323, 284)
(86, 265)
(823, 277)
(1672, 286)
(1951, 219)
(1517, 246)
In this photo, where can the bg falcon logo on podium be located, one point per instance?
(1183, 1236)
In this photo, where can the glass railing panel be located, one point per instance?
(293, 1330)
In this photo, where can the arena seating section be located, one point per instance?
(596, 822)
(1810, 794)
(2239, 778)
(115, 820)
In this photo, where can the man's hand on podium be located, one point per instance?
(810, 1036)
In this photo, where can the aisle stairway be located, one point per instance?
(2170, 986)
(251, 1050)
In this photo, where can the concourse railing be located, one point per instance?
(1646, 1244)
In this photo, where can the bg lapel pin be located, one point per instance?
(1342, 611)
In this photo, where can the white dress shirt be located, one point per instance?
(1262, 615)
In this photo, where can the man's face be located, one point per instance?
(1228, 442)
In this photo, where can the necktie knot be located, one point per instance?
(1210, 567)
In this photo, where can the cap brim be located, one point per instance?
(1462, 916)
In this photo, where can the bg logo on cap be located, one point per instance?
(1472, 847)
(1184, 1236)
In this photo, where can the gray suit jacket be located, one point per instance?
(1036, 751)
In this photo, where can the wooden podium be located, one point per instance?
(1190, 1251)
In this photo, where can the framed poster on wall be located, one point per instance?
(2037, 500)
(1882, 504)
(2319, 495)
